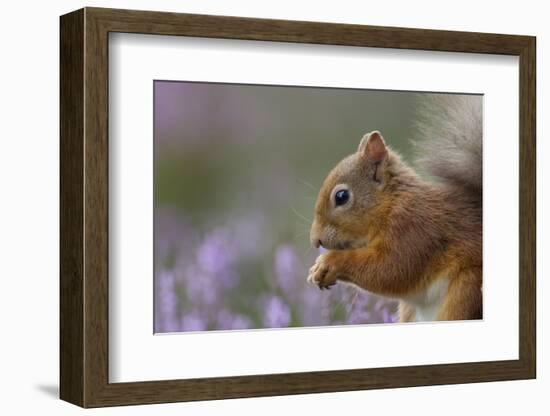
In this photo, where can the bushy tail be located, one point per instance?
(449, 140)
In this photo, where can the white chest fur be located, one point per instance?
(428, 303)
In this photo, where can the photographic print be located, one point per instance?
(282, 206)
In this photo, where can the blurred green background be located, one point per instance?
(237, 171)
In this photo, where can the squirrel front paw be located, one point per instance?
(322, 274)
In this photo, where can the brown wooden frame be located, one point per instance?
(84, 207)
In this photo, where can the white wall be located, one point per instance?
(29, 210)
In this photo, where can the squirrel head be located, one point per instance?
(350, 194)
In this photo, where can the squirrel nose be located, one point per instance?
(316, 241)
(315, 235)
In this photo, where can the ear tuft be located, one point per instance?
(373, 147)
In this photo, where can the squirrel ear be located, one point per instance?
(373, 147)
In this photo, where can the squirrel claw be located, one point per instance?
(326, 286)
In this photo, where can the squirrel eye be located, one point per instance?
(341, 197)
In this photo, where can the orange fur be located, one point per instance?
(399, 234)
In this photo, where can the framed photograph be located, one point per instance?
(254, 207)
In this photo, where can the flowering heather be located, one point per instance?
(215, 283)
(276, 313)
(287, 269)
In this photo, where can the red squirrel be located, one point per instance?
(392, 232)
